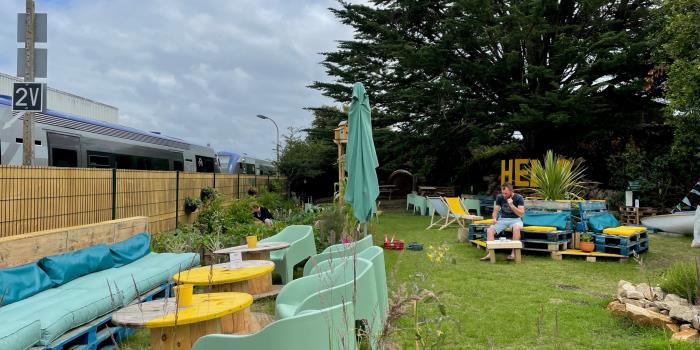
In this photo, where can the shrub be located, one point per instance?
(208, 193)
(681, 279)
(191, 204)
(586, 237)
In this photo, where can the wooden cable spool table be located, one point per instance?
(260, 252)
(251, 276)
(179, 328)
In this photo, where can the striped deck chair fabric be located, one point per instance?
(438, 206)
(457, 211)
(692, 200)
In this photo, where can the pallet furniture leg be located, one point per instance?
(590, 258)
(556, 256)
(518, 258)
(492, 255)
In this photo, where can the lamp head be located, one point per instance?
(261, 116)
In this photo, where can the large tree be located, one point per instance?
(455, 79)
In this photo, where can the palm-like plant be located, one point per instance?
(556, 177)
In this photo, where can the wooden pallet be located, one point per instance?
(632, 215)
(590, 257)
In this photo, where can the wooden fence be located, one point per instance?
(44, 198)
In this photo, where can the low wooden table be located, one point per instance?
(253, 277)
(179, 328)
(492, 246)
(260, 252)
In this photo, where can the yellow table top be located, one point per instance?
(164, 313)
(207, 275)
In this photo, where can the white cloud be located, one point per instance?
(195, 70)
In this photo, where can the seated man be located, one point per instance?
(512, 207)
(262, 215)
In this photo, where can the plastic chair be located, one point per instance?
(329, 328)
(302, 245)
(352, 279)
(472, 204)
(336, 251)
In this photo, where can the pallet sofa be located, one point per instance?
(58, 286)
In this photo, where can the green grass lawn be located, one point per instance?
(498, 306)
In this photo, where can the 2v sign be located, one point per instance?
(28, 97)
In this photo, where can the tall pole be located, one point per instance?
(27, 125)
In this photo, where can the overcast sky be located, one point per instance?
(198, 70)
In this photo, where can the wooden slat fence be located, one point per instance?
(44, 198)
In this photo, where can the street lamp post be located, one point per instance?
(278, 139)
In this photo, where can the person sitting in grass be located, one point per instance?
(262, 215)
(511, 206)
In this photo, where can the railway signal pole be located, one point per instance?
(27, 126)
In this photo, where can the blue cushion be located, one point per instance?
(21, 282)
(130, 250)
(19, 334)
(602, 221)
(558, 220)
(64, 268)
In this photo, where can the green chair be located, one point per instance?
(349, 280)
(329, 328)
(337, 251)
(301, 246)
(375, 255)
(472, 204)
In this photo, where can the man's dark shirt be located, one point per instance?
(506, 211)
(263, 214)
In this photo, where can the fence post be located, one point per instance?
(114, 193)
(214, 179)
(268, 183)
(238, 184)
(177, 197)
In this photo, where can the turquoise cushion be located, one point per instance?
(558, 220)
(21, 282)
(130, 250)
(19, 335)
(67, 267)
(602, 221)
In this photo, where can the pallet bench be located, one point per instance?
(590, 257)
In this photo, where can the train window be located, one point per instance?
(159, 164)
(19, 140)
(178, 165)
(205, 164)
(124, 161)
(97, 161)
(37, 142)
(64, 157)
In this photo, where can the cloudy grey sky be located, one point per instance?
(198, 70)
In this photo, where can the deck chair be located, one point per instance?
(437, 205)
(456, 210)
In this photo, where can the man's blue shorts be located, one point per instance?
(504, 223)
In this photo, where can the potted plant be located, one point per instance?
(586, 243)
(207, 193)
(191, 204)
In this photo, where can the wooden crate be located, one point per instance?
(633, 216)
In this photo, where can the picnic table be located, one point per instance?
(251, 276)
(260, 252)
(387, 189)
(427, 190)
(179, 328)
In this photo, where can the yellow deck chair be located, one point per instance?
(457, 212)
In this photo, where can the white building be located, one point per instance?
(67, 103)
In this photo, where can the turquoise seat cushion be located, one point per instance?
(64, 268)
(558, 220)
(130, 250)
(599, 222)
(19, 335)
(20, 282)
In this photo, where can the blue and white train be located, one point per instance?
(70, 141)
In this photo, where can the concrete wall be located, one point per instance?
(67, 103)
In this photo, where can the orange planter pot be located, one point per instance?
(587, 246)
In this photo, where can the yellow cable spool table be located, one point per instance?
(249, 276)
(179, 328)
